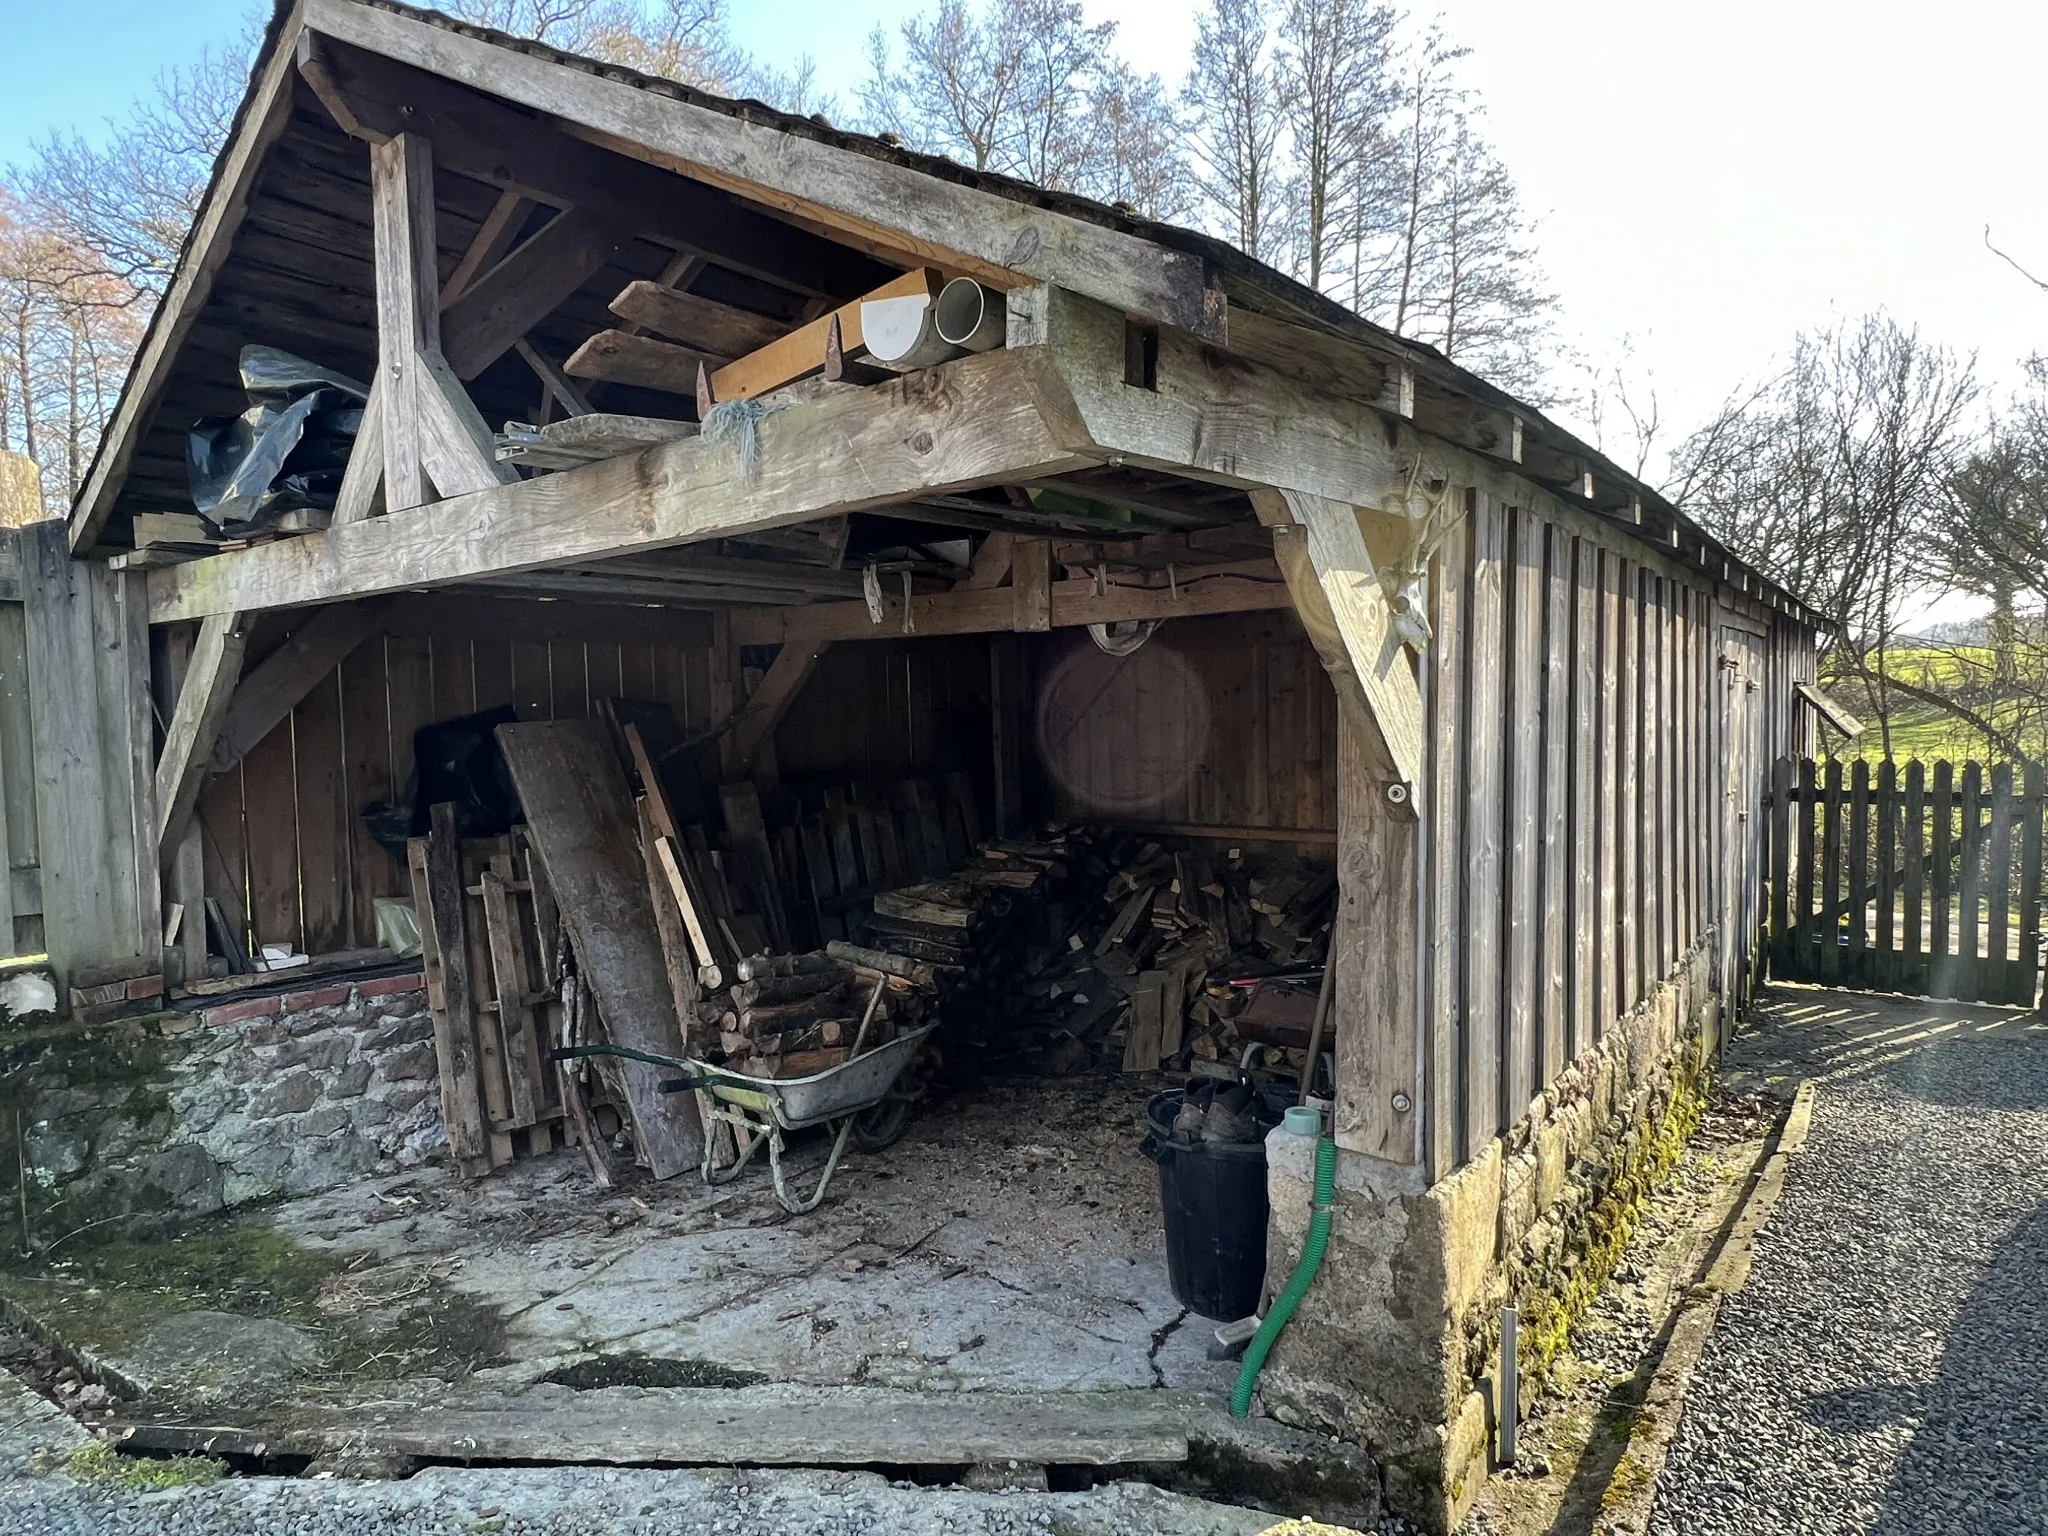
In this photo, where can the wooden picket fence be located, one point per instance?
(1906, 880)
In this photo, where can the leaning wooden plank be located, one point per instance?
(646, 362)
(516, 1022)
(202, 706)
(676, 956)
(696, 915)
(982, 420)
(748, 834)
(1145, 1039)
(287, 675)
(436, 863)
(581, 818)
(704, 325)
(747, 1426)
(887, 207)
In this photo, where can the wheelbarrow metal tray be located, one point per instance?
(798, 1102)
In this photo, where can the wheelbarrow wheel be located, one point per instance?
(880, 1128)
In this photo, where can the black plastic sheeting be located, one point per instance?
(454, 760)
(288, 451)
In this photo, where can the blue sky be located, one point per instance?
(76, 63)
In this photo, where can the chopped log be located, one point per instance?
(923, 974)
(817, 961)
(787, 989)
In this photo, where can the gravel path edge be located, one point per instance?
(1632, 1489)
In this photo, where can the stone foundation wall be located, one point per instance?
(183, 1114)
(1394, 1347)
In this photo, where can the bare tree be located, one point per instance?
(1835, 475)
(1338, 92)
(1232, 97)
(956, 92)
(681, 40)
(1136, 158)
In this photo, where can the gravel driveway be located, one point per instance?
(1885, 1370)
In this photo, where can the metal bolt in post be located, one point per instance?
(1510, 1383)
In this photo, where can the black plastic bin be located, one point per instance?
(1213, 1196)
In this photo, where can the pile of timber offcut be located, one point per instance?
(787, 1016)
(1093, 946)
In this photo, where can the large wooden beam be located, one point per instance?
(997, 610)
(911, 214)
(1375, 947)
(433, 436)
(503, 304)
(202, 705)
(274, 689)
(1322, 552)
(1216, 416)
(986, 420)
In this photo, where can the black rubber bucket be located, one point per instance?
(1213, 1197)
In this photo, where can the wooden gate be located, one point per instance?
(1894, 877)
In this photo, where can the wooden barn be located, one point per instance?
(897, 501)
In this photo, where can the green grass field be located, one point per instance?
(1925, 731)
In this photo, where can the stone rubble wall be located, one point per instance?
(185, 1114)
(1395, 1346)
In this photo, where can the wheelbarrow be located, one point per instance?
(858, 1096)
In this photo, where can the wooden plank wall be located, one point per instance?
(85, 653)
(287, 852)
(1572, 808)
(1220, 722)
(21, 894)
(881, 710)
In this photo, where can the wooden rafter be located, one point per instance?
(962, 228)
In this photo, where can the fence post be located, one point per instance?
(1808, 925)
(1831, 875)
(1782, 940)
(2030, 885)
(1912, 964)
(1969, 884)
(1997, 979)
(1941, 958)
(1859, 966)
(1885, 963)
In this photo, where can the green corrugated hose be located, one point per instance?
(1304, 1275)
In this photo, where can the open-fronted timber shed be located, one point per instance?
(1526, 701)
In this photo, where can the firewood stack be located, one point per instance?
(785, 1016)
(1094, 947)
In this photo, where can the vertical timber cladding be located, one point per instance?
(288, 853)
(86, 645)
(1572, 831)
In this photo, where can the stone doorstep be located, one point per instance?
(335, 995)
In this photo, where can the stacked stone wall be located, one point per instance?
(178, 1115)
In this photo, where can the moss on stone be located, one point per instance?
(103, 1298)
(1553, 1306)
(100, 1465)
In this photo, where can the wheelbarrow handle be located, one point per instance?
(578, 1052)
